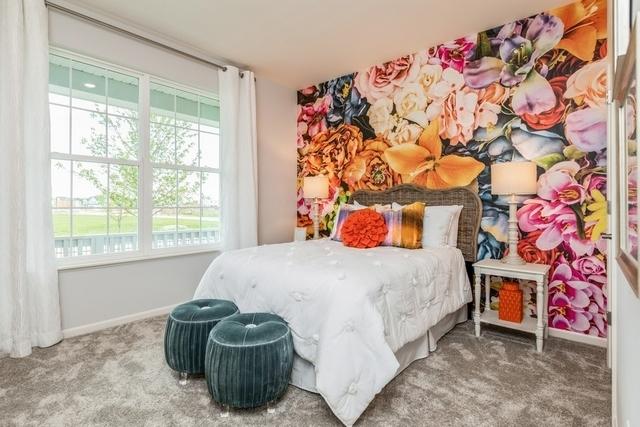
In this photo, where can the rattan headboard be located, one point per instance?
(470, 217)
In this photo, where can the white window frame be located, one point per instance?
(145, 173)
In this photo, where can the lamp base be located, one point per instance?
(513, 258)
(316, 219)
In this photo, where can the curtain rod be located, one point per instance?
(131, 34)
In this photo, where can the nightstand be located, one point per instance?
(535, 272)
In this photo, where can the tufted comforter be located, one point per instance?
(349, 309)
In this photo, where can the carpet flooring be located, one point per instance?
(118, 377)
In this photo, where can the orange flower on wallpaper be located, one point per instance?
(330, 151)
(424, 164)
(368, 170)
(585, 22)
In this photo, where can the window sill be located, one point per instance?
(107, 260)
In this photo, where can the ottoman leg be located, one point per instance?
(224, 411)
(184, 378)
(271, 407)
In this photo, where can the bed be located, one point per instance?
(358, 317)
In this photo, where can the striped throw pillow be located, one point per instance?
(405, 226)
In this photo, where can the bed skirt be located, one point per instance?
(303, 375)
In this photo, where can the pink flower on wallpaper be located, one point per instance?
(568, 300)
(303, 207)
(457, 118)
(455, 106)
(558, 183)
(592, 269)
(309, 90)
(598, 323)
(558, 224)
(595, 182)
(577, 300)
(381, 81)
(312, 119)
(589, 265)
(455, 54)
(550, 217)
(587, 129)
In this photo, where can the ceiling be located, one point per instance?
(302, 42)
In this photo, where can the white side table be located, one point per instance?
(535, 272)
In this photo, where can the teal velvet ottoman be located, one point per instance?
(249, 360)
(187, 330)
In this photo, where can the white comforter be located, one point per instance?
(349, 309)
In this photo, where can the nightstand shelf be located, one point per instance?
(534, 272)
(528, 324)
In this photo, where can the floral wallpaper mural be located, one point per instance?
(532, 89)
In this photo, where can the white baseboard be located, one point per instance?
(581, 338)
(98, 326)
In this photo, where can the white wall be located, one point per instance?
(628, 355)
(98, 294)
(277, 161)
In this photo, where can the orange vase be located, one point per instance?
(510, 308)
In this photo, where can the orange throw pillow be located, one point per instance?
(364, 229)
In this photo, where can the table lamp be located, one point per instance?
(316, 188)
(513, 179)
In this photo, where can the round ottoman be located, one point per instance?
(249, 360)
(188, 326)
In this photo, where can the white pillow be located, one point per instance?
(453, 231)
(440, 226)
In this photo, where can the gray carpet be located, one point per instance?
(118, 377)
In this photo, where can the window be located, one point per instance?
(184, 148)
(134, 162)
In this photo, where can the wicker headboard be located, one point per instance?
(470, 217)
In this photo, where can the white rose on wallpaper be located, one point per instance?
(434, 110)
(409, 99)
(403, 132)
(428, 76)
(380, 116)
(451, 81)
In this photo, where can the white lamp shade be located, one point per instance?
(315, 187)
(514, 178)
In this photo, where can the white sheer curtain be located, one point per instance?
(29, 303)
(239, 159)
